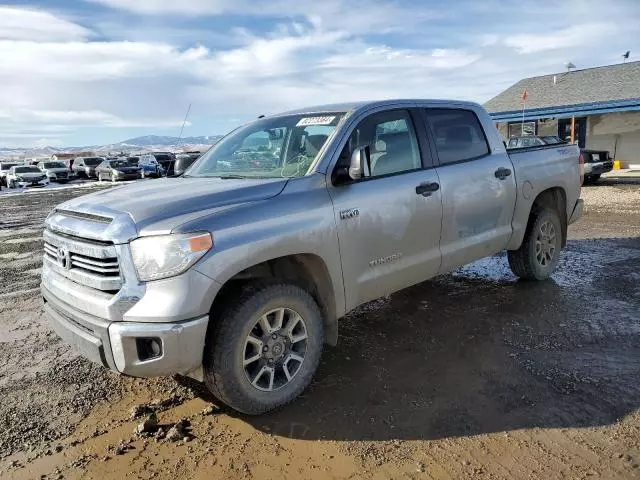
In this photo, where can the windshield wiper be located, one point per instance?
(233, 177)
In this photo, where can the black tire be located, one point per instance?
(591, 179)
(226, 347)
(526, 262)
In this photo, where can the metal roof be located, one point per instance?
(591, 86)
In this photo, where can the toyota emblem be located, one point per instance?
(64, 259)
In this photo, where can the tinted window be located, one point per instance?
(392, 142)
(92, 162)
(7, 166)
(458, 135)
(54, 165)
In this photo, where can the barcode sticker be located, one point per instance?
(315, 121)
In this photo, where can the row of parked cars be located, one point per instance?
(147, 165)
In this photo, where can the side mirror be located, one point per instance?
(359, 165)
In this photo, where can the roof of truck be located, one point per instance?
(352, 106)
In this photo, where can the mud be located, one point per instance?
(469, 375)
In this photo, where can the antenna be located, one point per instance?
(569, 66)
(183, 122)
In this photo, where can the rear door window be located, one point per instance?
(457, 133)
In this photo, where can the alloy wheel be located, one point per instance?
(275, 349)
(545, 243)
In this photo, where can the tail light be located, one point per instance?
(581, 167)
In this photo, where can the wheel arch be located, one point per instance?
(553, 197)
(306, 270)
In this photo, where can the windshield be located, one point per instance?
(551, 140)
(92, 161)
(119, 163)
(7, 166)
(133, 160)
(54, 165)
(268, 148)
(27, 170)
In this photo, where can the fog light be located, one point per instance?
(149, 348)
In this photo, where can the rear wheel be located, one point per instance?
(264, 348)
(538, 256)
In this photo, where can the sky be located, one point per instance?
(90, 72)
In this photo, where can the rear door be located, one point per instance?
(478, 187)
(388, 222)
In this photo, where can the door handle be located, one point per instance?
(502, 173)
(427, 188)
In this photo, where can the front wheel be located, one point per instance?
(264, 348)
(537, 257)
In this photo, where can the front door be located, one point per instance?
(580, 132)
(478, 188)
(389, 234)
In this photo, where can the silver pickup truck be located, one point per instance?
(237, 272)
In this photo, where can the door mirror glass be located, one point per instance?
(359, 165)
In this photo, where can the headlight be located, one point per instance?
(117, 172)
(165, 256)
(19, 178)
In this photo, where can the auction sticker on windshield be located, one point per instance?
(315, 121)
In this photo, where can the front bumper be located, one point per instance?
(26, 183)
(113, 344)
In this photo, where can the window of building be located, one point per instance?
(522, 129)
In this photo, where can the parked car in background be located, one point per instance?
(4, 169)
(524, 142)
(86, 166)
(55, 170)
(149, 167)
(118, 169)
(165, 159)
(22, 176)
(596, 162)
(239, 274)
(184, 161)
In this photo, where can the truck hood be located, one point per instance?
(169, 202)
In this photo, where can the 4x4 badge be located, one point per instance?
(349, 213)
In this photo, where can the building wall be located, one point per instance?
(619, 133)
(503, 128)
(547, 127)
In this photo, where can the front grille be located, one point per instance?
(61, 175)
(83, 261)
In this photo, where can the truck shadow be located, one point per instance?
(478, 351)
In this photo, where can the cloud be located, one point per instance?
(84, 85)
(573, 36)
(35, 25)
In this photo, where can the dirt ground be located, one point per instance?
(469, 375)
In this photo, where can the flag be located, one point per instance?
(524, 95)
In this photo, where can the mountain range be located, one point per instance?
(144, 143)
